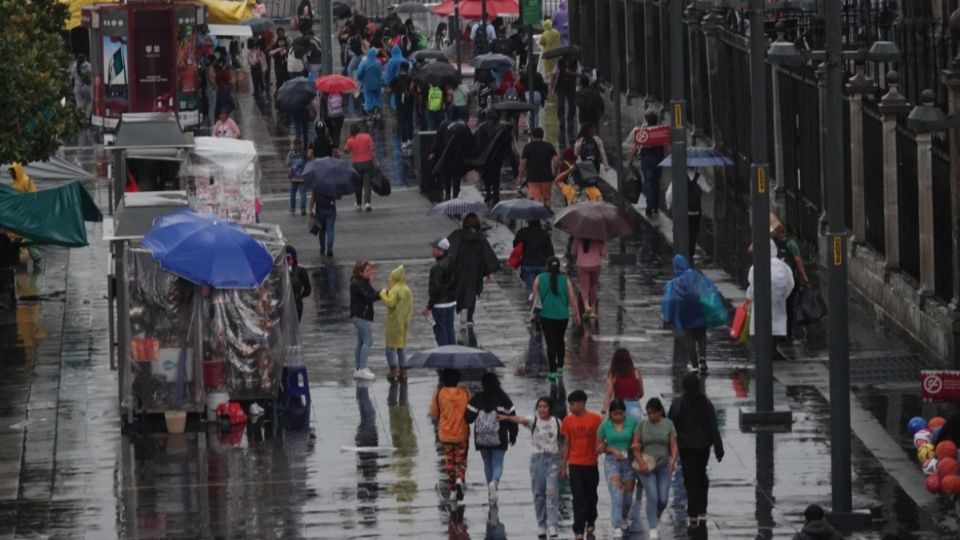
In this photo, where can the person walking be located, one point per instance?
(473, 262)
(537, 97)
(399, 301)
(296, 161)
(402, 90)
(697, 185)
(544, 464)
(815, 526)
(225, 127)
(392, 70)
(459, 100)
(589, 255)
(279, 55)
(624, 382)
(331, 109)
(564, 82)
(299, 280)
(539, 161)
(324, 210)
(448, 407)
(362, 297)
(442, 298)
(691, 304)
(370, 77)
(322, 146)
(655, 438)
(257, 62)
(557, 298)
(550, 39)
(210, 89)
(589, 147)
(788, 251)
(360, 147)
(781, 284)
(490, 435)
(589, 102)
(452, 142)
(650, 158)
(537, 249)
(614, 438)
(695, 419)
(304, 15)
(579, 461)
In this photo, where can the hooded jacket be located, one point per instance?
(369, 73)
(22, 182)
(560, 22)
(471, 258)
(781, 285)
(549, 39)
(817, 530)
(687, 297)
(393, 65)
(399, 301)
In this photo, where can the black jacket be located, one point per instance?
(537, 247)
(502, 403)
(362, 297)
(300, 283)
(818, 530)
(696, 423)
(442, 288)
(471, 258)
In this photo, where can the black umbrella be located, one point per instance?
(439, 74)
(524, 209)
(412, 7)
(331, 177)
(569, 50)
(454, 357)
(258, 24)
(492, 61)
(342, 10)
(428, 54)
(295, 94)
(513, 106)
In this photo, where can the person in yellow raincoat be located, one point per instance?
(399, 301)
(549, 39)
(23, 182)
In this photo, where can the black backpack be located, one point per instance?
(590, 152)
(480, 39)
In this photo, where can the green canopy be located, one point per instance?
(51, 216)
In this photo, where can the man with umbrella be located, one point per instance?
(452, 143)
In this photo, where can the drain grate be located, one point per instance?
(883, 367)
(275, 203)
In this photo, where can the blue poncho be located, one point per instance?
(691, 301)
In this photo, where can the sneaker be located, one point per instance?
(552, 532)
(617, 532)
(492, 493)
(542, 533)
(367, 207)
(458, 490)
(703, 365)
(364, 374)
(653, 534)
(552, 376)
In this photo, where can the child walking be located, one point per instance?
(296, 161)
(448, 407)
(544, 464)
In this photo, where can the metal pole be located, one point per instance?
(530, 67)
(456, 34)
(838, 333)
(678, 132)
(763, 340)
(326, 35)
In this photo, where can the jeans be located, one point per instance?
(650, 170)
(326, 220)
(353, 65)
(396, 358)
(492, 463)
(554, 331)
(695, 481)
(405, 122)
(301, 123)
(528, 274)
(533, 117)
(301, 188)
(211, 93)
(620, 501)
(634, 410)
(656, 487)
(364, 341)
(584, 480)
(434, 119)
(443, 330)
(365, 169)
(566, 110)
(545, 480)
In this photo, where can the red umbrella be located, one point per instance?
(472, 9)
(335, 84)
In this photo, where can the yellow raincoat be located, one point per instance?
(399, 301)
(549, 39)
(21, 182)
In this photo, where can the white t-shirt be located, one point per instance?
(545, 434)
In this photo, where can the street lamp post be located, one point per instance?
(326, 31)
(678, 132)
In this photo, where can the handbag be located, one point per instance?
(380, 184)
(810, 306)
(516, 255)
(649, 460)
(740, 320)
(313, 228)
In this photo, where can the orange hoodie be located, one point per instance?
(450, 405)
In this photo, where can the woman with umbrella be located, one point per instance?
(472, 260)
(332, 99)
(589, 255)
(556, 296)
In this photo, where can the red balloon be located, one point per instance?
(946, 467)
(936, 422)
(946, 449)
(950, 484)
(933, 484)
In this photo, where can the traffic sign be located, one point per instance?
(652, 136)
(531, 12)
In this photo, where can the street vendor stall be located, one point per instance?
(223, 177)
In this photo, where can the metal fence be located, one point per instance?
(374, 9)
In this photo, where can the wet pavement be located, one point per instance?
(369, 466)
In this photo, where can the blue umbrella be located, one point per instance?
(521, 209)
(457, 207)
(701, 156)
(454, 357)
(331, 177)
(207, 250)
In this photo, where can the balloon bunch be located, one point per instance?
(939, 462)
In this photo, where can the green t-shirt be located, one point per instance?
(618, 440)
(554, 306)
(656, 437)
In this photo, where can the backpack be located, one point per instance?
(294, 63)
(434, 98)
(480, 39)
(589, 151)
(297, 163)
(335, 105)
(486, 429)
(511, 94)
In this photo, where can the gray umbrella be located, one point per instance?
(494, 61)
(439, 74)
(524, 209)
(428, 54)
(412, 7)
(454, 357)
(457, 207)
(569, 50)
(295, 94)
(258, 24)
(513, 106)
